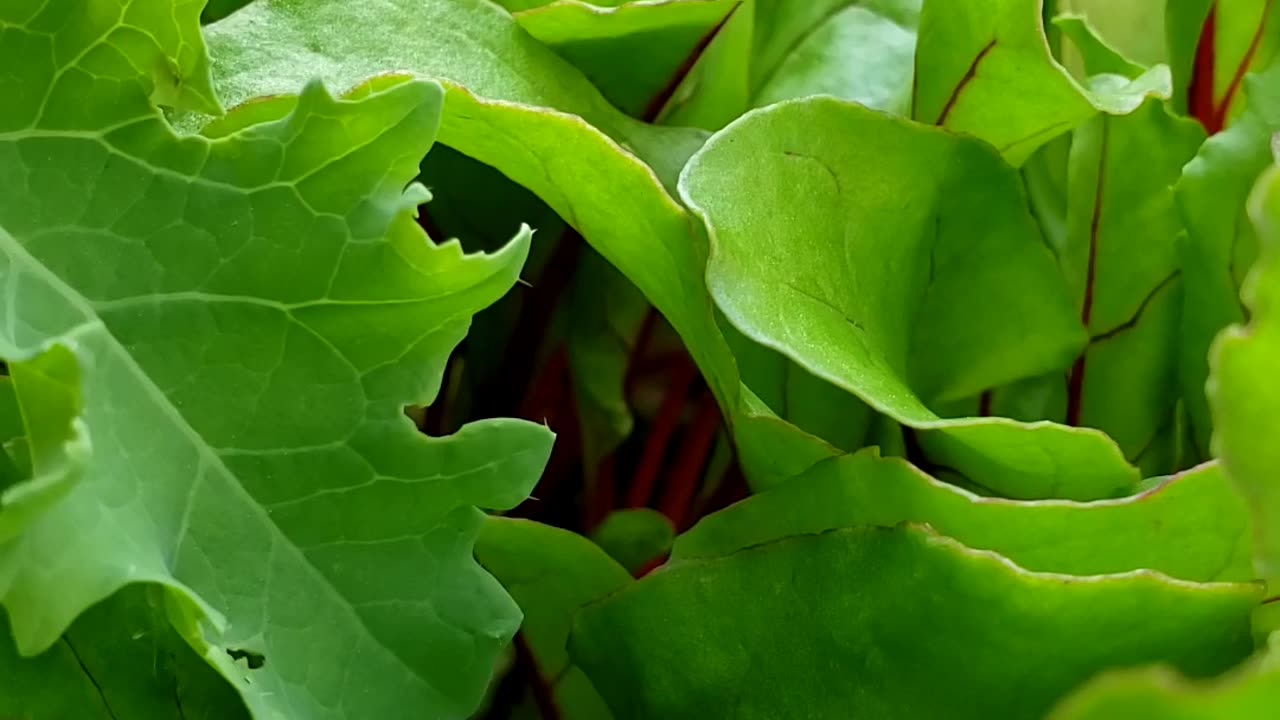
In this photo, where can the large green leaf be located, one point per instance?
(922, 282)
(1192, 526)
(518, 121)
(984, 68)
(120, 659)
(1221, 244)
(518, 118)
(552, 573)
(888, 623)
(243, 390)
(1243, 391)
(634, 52)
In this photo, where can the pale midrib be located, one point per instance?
(19, 253)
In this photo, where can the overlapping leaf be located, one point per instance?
(922, 282)
(551, 573)
(634, 52)
(1191, 526)
(1221, 244)
(933, 630)
(984, 68)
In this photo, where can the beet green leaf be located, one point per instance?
(238, 324)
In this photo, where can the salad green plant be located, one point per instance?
(639, 359)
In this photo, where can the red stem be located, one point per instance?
(664, 426)
(1075, 382)
(682, 481)
(1200, 90)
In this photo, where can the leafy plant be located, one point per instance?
(905, 359)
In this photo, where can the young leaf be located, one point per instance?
(1191, 526)
(1242, 389)
(551, 573)
(984, 68)
(772, 50)
(634, 52)
(923, 282)
(635, 537)
(897, 623)
(248, 317)
(1221, 244)
(857, 50)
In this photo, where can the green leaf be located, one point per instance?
(53, 438)
(923, 282)
(1192, 526)
(518, 119)
(984, 69)
(857, 50)
(635, 537)
(1243, 392)
(243, 390)
(772, 50)
(120, 659)
(634, 51)
(933, 629)
(1250, 692)
(551, 573)
(521, 127)
(1120, 257)
(1221, 244)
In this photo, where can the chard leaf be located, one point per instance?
(1191, 526)
(552, 573)
(634, 52)
(897, 623)
(1221, 244)
(984, 68)
(1242, 389)
(1120, 257)
(923, 282)
(245, 319)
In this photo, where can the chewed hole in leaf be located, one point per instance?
(252, 659)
